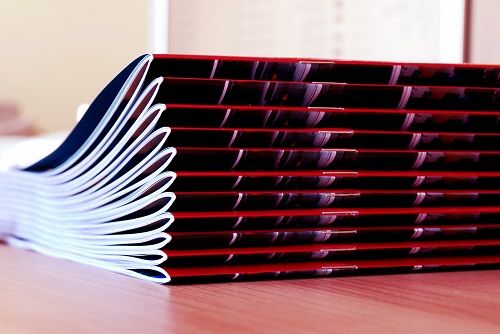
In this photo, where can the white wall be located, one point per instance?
(56, 54)
(485, 32)
(350, 29)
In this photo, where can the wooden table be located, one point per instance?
(40, 294)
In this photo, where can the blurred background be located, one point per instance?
(56, 54)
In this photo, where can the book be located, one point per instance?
(211, 168)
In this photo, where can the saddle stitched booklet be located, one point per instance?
(211, 168)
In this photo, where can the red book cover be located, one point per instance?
(215, 168)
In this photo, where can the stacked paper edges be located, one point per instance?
(191, 168)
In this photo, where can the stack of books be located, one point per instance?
(211, 168)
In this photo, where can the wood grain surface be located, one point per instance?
(40, 294)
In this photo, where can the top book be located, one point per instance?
(324, 70)
(204, 166)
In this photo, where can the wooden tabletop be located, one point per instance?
(40, 294)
